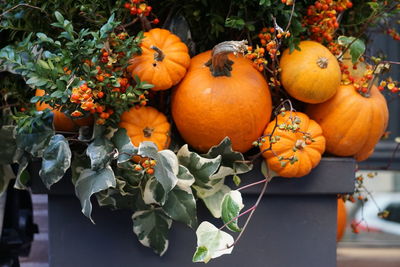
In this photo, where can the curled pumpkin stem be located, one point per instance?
(219, 64)
(159, 54)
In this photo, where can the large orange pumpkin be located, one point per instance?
(352, 123)
(341, 219)
(163, 61)
(306, 144)
(311, 75)
(221, 97)
(146, 124)
(61, 121)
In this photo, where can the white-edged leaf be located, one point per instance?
(153, 192)
(211, 243)
(91, 182)
(152, 227)
(6, 174)
(100, 152)
(181, 206)
(124, 145)
(8, 145)
(56, 160)
(185, 178)
(232, 204)
(22, 179)
(213, 202)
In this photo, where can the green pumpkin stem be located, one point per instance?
(219, 63)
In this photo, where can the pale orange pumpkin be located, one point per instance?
(61, 121)
(341, 219)
(213, 102)
(352, 123)
(163, 61)
(146, 124)
(311, 75)
(307, 145)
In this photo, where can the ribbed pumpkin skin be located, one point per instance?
(135, 121)
(206, 109)
(162, 74)
(303, 79)
(308, 157)
(61, 121)
(352, 124)
(341, 219)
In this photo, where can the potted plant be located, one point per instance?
(130, 115)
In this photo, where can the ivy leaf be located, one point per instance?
(153, 192)
(151, 228)
(124, 196)
(181, 206)
(185, 178)
(22, 179)
(79, 163)
(124, 145)
(100, 152)
(167, 164)
(8, 144)
(213, 198)
(211, 243)
(357, 46)
(6, 174)
(201, 168)
(56, 160)
(232, 204)
(91, 182)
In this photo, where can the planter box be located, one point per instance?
(294, 226)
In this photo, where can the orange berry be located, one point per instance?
(150, 171)
(100, 121)
(104, 115)
(100, 94)
(76, 113)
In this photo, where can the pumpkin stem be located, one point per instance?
(300, 144)
(219, 63)
(159, 54)
(148, 131)
(322, 62)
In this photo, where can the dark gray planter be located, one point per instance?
(294, 226)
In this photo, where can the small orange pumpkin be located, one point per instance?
(352, 123)
(306, 145)
(146, 124)
(221, 96)
(311, 75)
(61, 121)
(163, 61)
(341, 219)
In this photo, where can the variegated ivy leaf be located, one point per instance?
(213, 201)
(124, 145)
(201, 168)
(6, 174)
(166, 167)
(91, 182)
(79, 163)
(232, 204)
(100, 152)
(22, 179)
(56, 160)
(232, 161)
(152, 227)
(211, 243)
(185, 178)
(154, 193)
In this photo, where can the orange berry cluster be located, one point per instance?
(269, 38)
(287, 2)
(321, 18)
(147, 166)
(140, 8)
(360, 83)
(394, 34)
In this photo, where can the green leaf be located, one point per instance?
(8, 144)
(232, 204)
(357, 47)
(124, 145)
(100, 152)
(265, 2)
(59, 17)
(79, 163)
(153, 192)
(185, 178)
(213, 198)
(167, 164)
(106, 28)
(56, 160)
(91, 182)
(151, 228)
(211, 243)
(6, 174)
(22, 179)
(181, 206)
(201, 168)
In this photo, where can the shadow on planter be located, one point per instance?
(294, 226)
